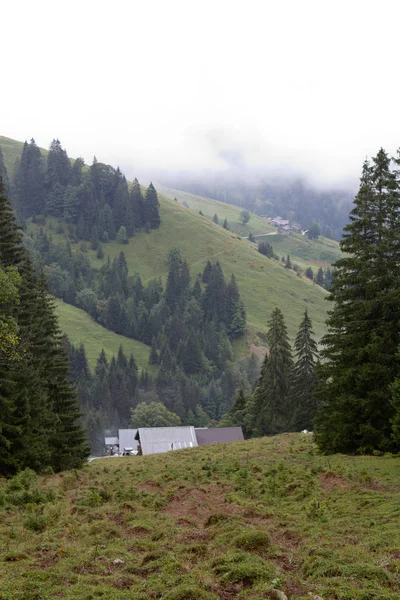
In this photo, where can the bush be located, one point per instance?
(252, 540)
(35, 522)
(237, 567)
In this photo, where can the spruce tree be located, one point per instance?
(3, 172)
(360, 349)
(303, 377)
(44, 409)
(319, 280)
(225, 224)
(271, 405)
(151, 208)
(215, 219)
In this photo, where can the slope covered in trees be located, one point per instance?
(39, 412)
(263, 283)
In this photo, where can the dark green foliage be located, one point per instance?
(100, 252)
(303, 377)
(215, 219)
(310, 273)
(288, 263)
(122, 235)
(238, 415)
(252, 237)
(266, 249)
(356, 411)
(97, 200)
(225, 224)
(319, 280)
(28, 189)
(151, 208)
(314, 231)
(3, 173)
(153, 358)
(244, 216)
(271, 405)
(40, 427)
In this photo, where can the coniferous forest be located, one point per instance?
(39, 416)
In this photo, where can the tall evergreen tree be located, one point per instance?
(151, 208)
(271, 405)
(44, 410)
(28, 183)
(360, 349)
(3, 172)
(303, 377)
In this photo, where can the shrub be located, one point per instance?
(35, 522)
(252, 540)
(237, 567)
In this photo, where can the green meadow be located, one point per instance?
(251, 520)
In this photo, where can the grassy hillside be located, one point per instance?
(210, 207)
(220, 522)
(321, 252)
(81, 328)
(264, 284)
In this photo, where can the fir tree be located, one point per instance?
(215, 219)
(3, 173)
(151, 208)
(360, 349)
(153, 358)
(310, 273)
(225, 224)
(122, 235)
(271, 396)
(319, 280)
(44, 404)
(303, 377)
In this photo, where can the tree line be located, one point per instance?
(96, 202)
(39, 413)
(283, 397)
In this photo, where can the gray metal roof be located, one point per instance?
(111, 441)
(219, 435)
(127, 438)
(155, 440)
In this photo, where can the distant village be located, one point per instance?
(284, 225)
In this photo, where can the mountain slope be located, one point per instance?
(263, 283)
(320, 252)
(210, 207)
(82, 329)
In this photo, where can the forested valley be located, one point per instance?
(190, 321)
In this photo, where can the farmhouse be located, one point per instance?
(156, 440)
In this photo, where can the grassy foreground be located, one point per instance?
(218, 522)
(82, 329)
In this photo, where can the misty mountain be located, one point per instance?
(289, 196)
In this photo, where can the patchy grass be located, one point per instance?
(237, 521)
(81, 328)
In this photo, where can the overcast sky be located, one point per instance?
(302, 84)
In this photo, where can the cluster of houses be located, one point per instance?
(284, 226)
(156, 440)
